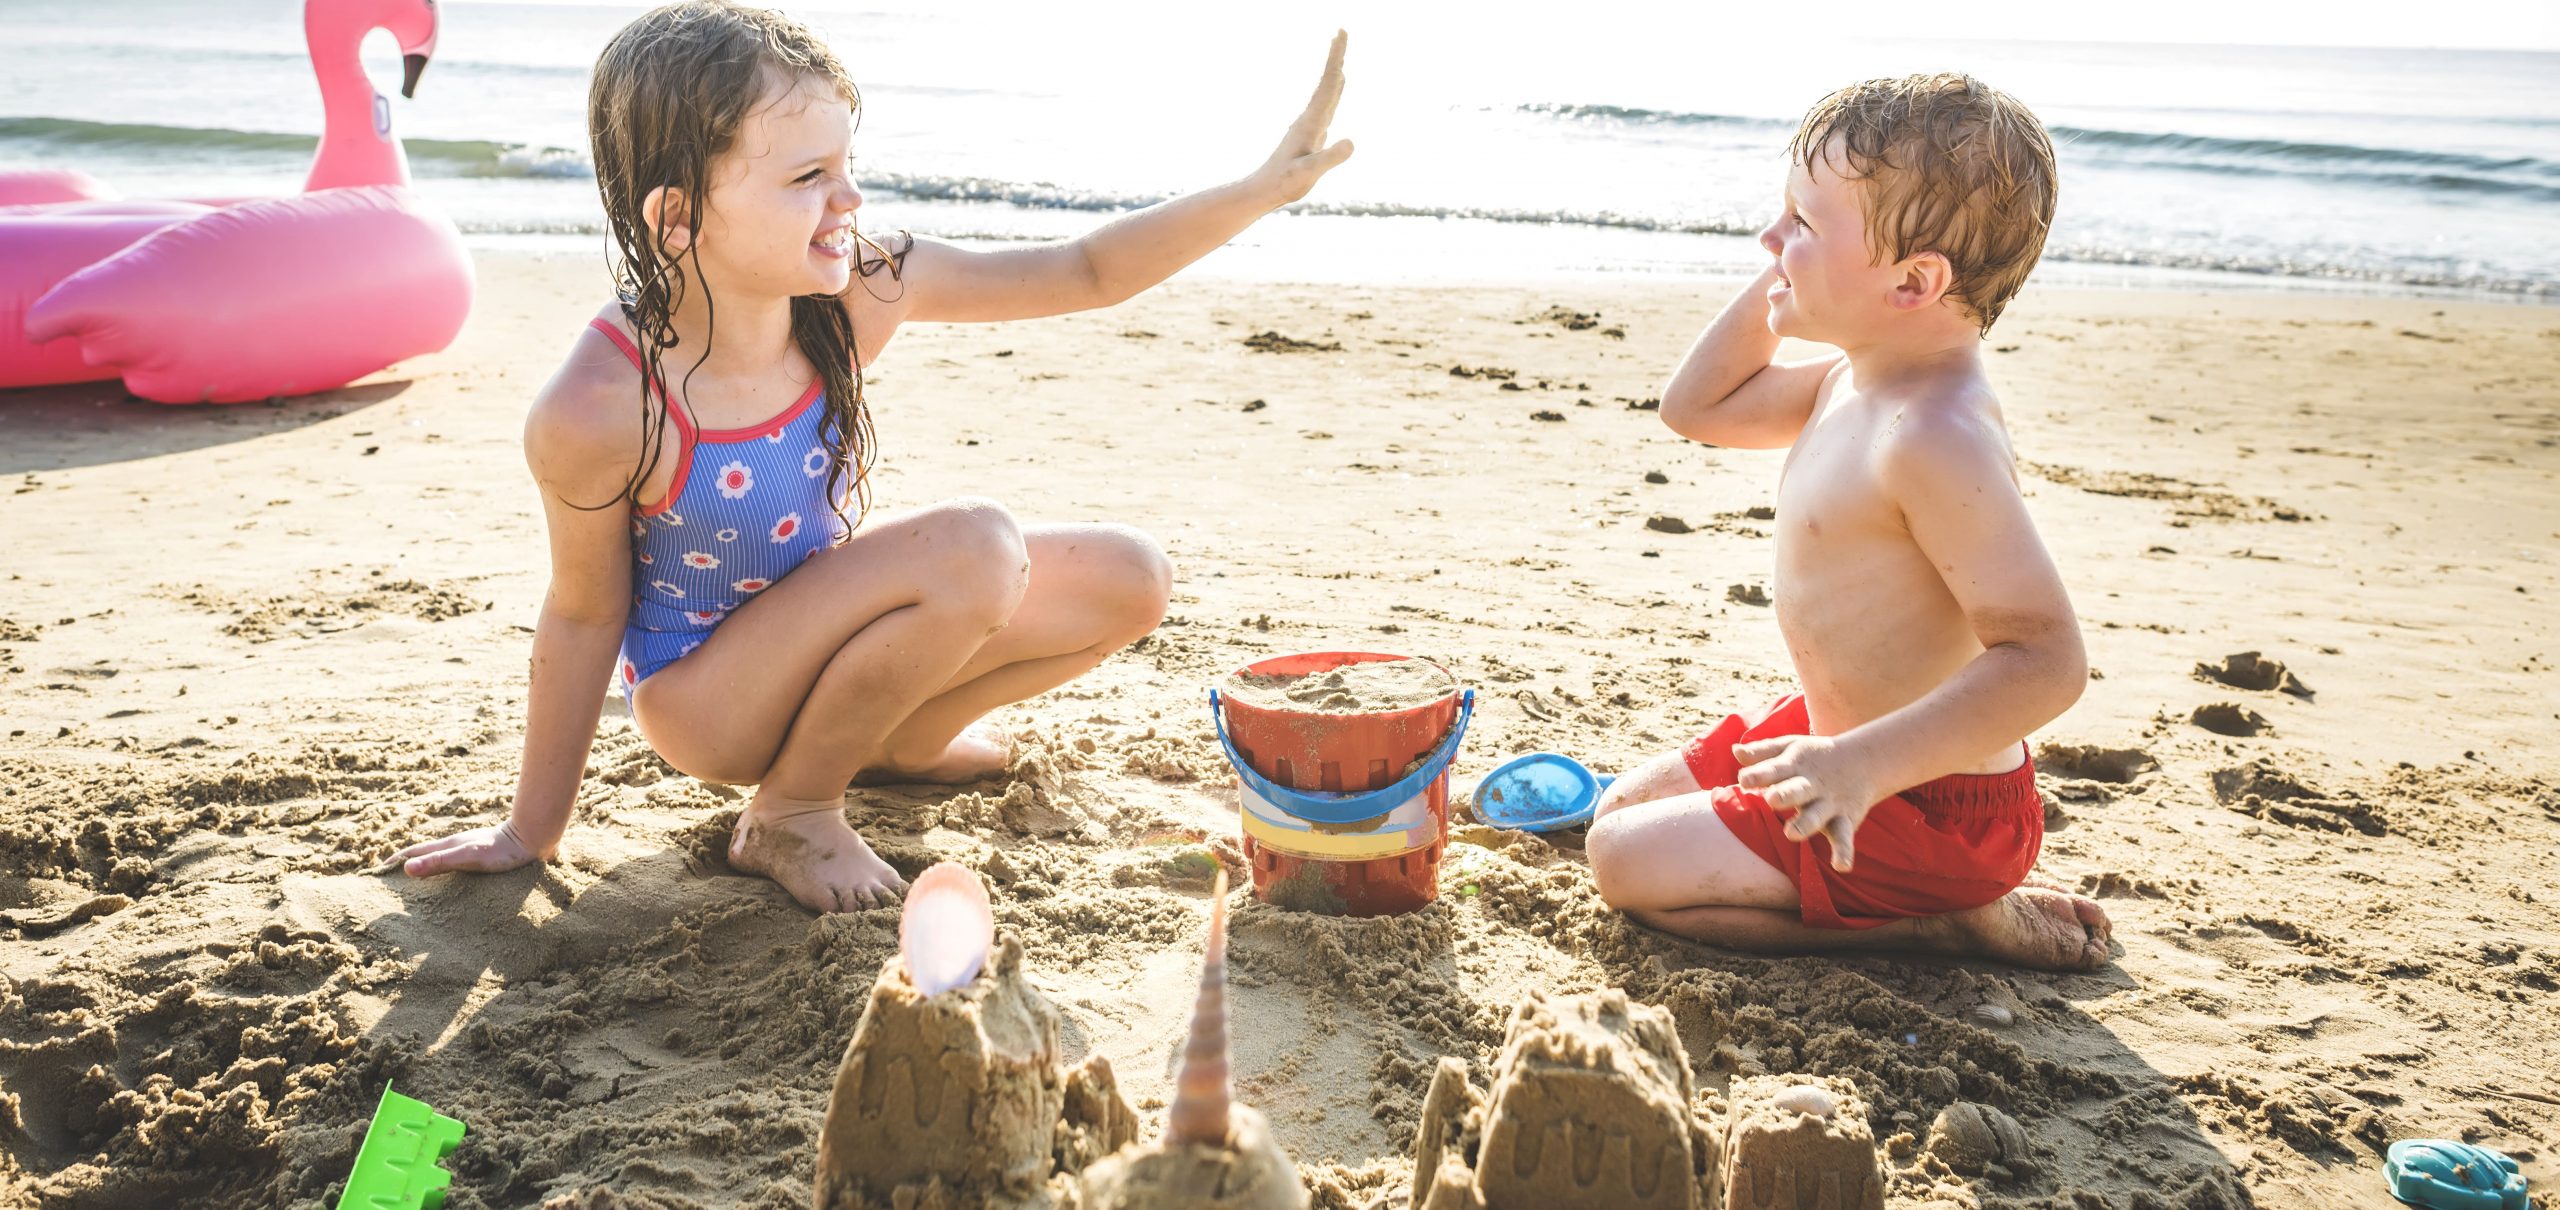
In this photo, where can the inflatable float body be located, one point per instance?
(222, 300)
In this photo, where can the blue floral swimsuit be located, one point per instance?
(747, 506)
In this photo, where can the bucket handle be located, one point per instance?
(1320, 806)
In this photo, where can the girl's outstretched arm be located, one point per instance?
(580, 452)
(1130, 253)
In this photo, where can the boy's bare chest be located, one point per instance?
(1828, 493)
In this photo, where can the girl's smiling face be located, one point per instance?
(779, 218)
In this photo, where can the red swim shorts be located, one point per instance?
(1958, 842)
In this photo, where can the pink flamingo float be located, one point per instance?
(225, 301)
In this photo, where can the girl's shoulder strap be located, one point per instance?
(620, 341)
(623, 341)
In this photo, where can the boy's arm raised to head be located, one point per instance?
(1955, 484)
(1729, 392)
(1128, 254)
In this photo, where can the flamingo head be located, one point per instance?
(413, 22)
(337, 26)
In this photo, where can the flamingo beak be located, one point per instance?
(411, 67)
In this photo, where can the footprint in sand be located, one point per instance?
(319, 609)
(2261, 789)
(2249, 670)
(2089, 762)
(2232, 719)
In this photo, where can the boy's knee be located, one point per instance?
(1615, 849)
(1621, 793)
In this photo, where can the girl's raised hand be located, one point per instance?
(1302, 157)
(479, 851)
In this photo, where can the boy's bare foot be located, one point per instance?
(814, 854)
(2036, 926)
(981, 750)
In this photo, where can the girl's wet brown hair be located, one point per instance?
(669, 95)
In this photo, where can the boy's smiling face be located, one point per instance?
(1829, 288)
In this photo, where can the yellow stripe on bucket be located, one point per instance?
(1265, 823)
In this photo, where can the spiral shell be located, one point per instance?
(1202, 1091)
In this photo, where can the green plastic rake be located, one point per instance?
(396, 1168)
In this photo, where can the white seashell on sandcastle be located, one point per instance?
(950, 1092)
(946, 930)
(1812, 1100)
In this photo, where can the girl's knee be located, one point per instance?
(979, 528)
(979, 553)
(1140, 578)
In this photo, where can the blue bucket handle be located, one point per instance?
(1319, 806)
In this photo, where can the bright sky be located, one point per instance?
(2487, 24)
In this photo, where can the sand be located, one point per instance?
(250, 651)
(1364, 688)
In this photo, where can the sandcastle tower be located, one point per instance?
(1589, 1107)
(1215, 1153)
(1800, 1143)
(950, 1093)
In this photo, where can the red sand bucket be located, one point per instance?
(1333, 823)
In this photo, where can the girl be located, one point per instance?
(765, 637)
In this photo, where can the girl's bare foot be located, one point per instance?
(981, 750)
(814, 854)
(2035, 926)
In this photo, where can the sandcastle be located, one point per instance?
(1799, 1143)
(950, 1093)
(1589, 1107)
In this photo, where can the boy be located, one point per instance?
(1892, 803)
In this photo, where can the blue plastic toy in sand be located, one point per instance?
(2444, 1175)
(1540, 792)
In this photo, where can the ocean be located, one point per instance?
(1491, 148)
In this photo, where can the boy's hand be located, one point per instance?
(1302, 156)
(478, 851)
(1818, 781)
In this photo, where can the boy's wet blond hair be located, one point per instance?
(1951, 165)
